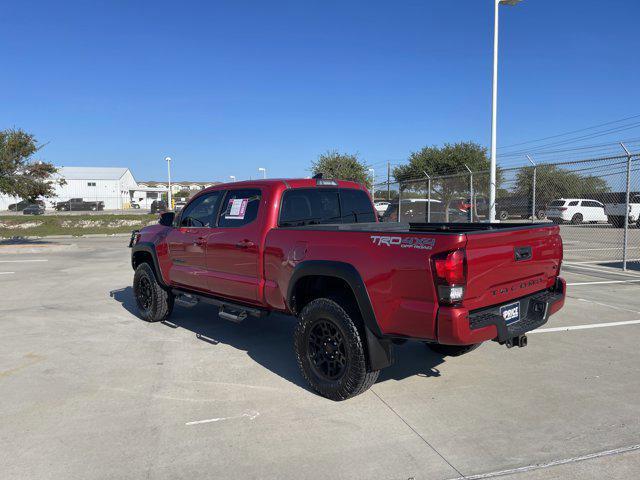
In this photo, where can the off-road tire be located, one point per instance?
(157, 303)
(356, 377)
(452, 350)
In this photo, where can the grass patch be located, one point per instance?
(45, 225)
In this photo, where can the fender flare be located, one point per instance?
(150, 248)
(379, 348)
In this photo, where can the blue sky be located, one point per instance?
(227, 87)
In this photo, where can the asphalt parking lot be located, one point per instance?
(89, 391)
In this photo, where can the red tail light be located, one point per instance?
(450, 275)
(563, 209)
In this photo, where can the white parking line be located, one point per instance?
(6, 273)
(251, 415)
(584, 327)
(601, 261)
(608, 249)
(23, 261)
(603, 282)
(601, 269)
(555, 463)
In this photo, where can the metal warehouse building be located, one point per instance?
(109, 185)
(115, 186)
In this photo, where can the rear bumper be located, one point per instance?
(459, 326)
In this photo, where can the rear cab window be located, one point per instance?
(319, 206)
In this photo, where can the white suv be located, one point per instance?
(576, 210)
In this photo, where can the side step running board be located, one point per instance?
(232, 317)
(233, 312)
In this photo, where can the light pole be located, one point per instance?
(168, 159)
(232, 178)
(494, 109)
(264, 172)
(373, 183)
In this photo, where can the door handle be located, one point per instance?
(200, 242)
(245, 244)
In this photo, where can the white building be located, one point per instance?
(107, 184)
(115, 186)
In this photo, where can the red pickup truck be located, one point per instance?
(313, 248)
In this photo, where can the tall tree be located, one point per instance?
(446, 165)
(20, 174)
(554, 182)
(341, 166)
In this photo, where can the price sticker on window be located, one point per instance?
(236, 209)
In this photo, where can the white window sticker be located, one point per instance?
(237, 208)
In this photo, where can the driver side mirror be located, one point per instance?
(166, 219)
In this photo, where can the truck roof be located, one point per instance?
(289, 183)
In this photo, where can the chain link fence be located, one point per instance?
(596, 202)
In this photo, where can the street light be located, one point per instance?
(494, 109)
(373, 183)
(168, 159)
(232, 178)
(264, 172)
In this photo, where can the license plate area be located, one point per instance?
(510, 313)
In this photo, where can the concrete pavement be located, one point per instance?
(91, 392)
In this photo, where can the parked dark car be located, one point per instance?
(415, 210)
(22, 204)
(78, 204)
(158, 206)
(518, 206)
(33, 209)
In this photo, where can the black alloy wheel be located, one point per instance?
(330, 349)
(154, 303)
(326, 350)
(144, 295)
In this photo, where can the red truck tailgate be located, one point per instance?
(503, 265)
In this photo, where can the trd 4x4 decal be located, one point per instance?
(419, 243)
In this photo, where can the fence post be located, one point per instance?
(626, 215)
(388, 181)
(399, 202)
(428, 196)
(429, 201)
(533, 195)
(471, 199)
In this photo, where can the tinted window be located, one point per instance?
(240, 207)
(557, 203)
(356, 206)
(573, 204)
(309, 206)
(202, 211)
(591, 203)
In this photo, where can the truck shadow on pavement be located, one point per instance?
(269, 341)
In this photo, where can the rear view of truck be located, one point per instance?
(503, 284)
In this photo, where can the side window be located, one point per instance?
(356, 206)
(573, 204)
(240, 208)
(202, 211)
(309, 206)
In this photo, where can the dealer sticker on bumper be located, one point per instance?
(510, 313)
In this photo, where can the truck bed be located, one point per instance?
(394, 227)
